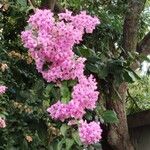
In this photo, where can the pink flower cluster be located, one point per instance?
(81, 21)
(84, 96)
(2, 123)
(50, 41)
(90, 132)
(2, 89)
(85, 93)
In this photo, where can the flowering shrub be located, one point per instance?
(2, 89)
(89, 132)
(50, 40)
(51, 43)
(2, 123)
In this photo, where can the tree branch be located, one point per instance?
(32, 4)
(51, 4)
(131, 24)
(144, 45)
(58, 8)
(48, 4)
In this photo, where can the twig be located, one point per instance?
(31, 4)
(133, 99)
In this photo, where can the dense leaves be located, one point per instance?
(25, 102)
(139, 95)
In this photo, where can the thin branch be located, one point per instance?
(134, 101)
(58, 8)
(32, 4)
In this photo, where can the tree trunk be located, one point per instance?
(118, 135)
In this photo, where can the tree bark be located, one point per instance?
(144, 45)
(52, 4)
(118, 135)
(131, 24)
(48, 4)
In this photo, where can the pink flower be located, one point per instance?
(90, 133)
(72, 122)
(67, 16)
(2, 123)
(85, 93)
(58, 111)
(2, 89)
(42, 20)
(75, 110)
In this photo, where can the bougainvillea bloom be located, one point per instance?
(2, 89)
(90, 133)
(2, 123)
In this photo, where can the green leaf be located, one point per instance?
(97, 146)
(110, 116)
(85, 52)
(50, 147)
(48, 88)
(24, 145)
(65, 93)
(93, 59)
(92, 67)
(69, 143)
(63, 129)
(2, 116)
(72, 83)
(5, 113)
(60, 144)
(135, 74)
(36, 139)
(128, 76)
(89, 116)
(38, 85)
(76, 137)
(23, 3)
(99, 68)
(103, 71)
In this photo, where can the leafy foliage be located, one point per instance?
(24, 104)
(139, 95)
